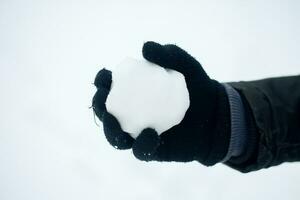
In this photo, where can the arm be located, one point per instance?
(264, 132)
(273, 122)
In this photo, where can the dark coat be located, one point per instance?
(273, 116)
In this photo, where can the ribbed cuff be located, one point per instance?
(238, 124)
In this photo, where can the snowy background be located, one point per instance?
(50, 51)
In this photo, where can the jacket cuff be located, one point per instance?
(238, 137)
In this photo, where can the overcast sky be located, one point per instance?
(50, 51)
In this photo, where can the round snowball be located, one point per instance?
(145, 95)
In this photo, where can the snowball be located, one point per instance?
(146, 95)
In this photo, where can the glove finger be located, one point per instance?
(103, 79)
(145, 145)
(173, 57)
(99, 100)
(114, 134)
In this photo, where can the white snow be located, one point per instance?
(145, 95)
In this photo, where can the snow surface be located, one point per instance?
(145, 95)
(50, 53)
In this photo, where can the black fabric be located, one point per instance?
(273, 107)
(146, 145)
(114, 134)
(204, 132)
(102, 82)
(112, 129)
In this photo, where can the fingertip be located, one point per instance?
(146, 144)
(103, 79)
(151, 51)
(150, 44)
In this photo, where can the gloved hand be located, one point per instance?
(203, 134)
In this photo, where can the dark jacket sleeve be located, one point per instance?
(273, 121)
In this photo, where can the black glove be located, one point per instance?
(204, 132)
